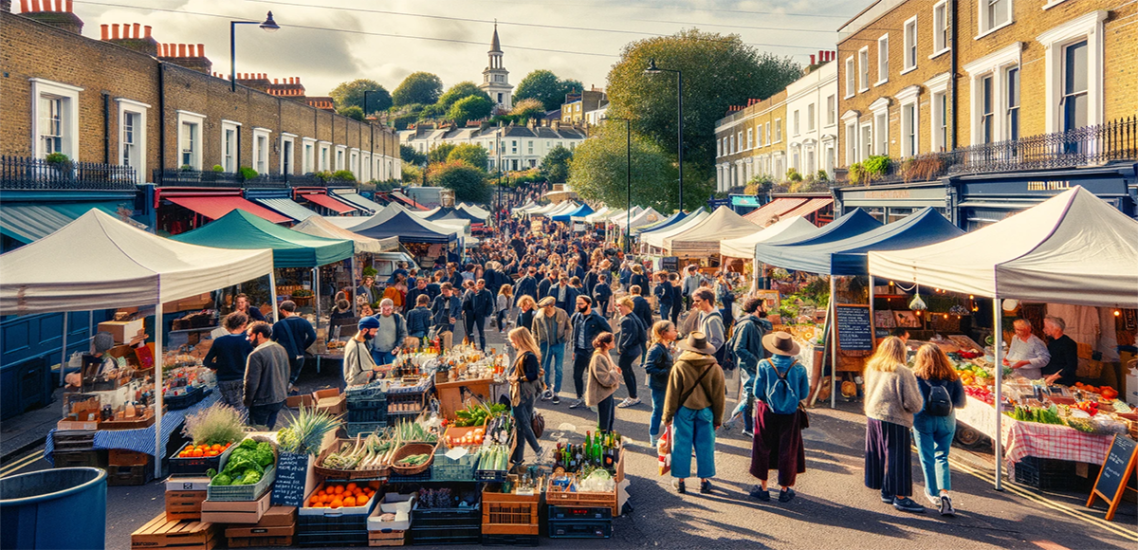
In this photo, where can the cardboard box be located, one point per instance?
(121, 331)
(85, 425)
(330, 401)
(187, 483)
(276, 516)
(182, 505)
(295, 401)
(247, 512)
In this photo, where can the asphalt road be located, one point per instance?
(833, 508)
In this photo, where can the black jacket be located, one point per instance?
(641, 309)
(641, 280)
(592, 325)
(658, 365)
(632, 335)
(443, 309)
(527, 286)
(663, 293)
(413, 295)
(570, 303)
(482, 303)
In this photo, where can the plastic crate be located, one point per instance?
(122, 476)
(446, 517)
(73, 440)
(509, 540)
(423, 477)
(510, 518)
(580, 529)
(186, 400)
(446, 469)
(341, 538)
(364, 393)
(93, 458)
(1049, 474)
(564, 513)
(193, 465)
(367, 415)
(445, 536)
(306, 525)
(355, 428)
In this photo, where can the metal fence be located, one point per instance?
(32, 174)
(177, 177)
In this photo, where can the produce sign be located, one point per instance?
(855, 329)
(1116, 470)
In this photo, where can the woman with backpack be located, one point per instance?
(935, 425)
(892, 397)
(781, 383)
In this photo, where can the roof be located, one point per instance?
(317, 226)
(119, 266)
(703, 239)
(409, 229)
(744, 247)
(495, 45)
(242, 230)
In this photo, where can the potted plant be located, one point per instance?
(247, 173)
(302, 297)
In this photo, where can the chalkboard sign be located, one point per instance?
(292, 478)
(670, 263)
(855, 329)
(1116, 469)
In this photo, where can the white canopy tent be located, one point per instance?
(427, 213)
(703, 239)
(525, 208)
(562, 208)
(744, 247)
(545, 210)
(1073, 248)
(645, 217)
(656, 239)
(320, 227)
(474, 211)
(636, 210)
(120, 266)
(600, 215)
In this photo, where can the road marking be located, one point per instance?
(1077, 514)
(21, 463)
(1048, 545)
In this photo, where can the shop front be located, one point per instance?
(891, 202)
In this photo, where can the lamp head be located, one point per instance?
(651, 67)
(269, 24)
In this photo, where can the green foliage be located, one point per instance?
(354, 112)
(460, 91)
(793, 175)
(470, 108)
(718, 71)
(56, 158)
(368, 271)
(856, 173)
(468, 184)
(418, 87)
(352, 93)
(598, 171)
(527, 108)
(218, 168)
(410, 155)
(247, 173)
(431, 112)
(545, 87)
(474, 156)
(555, 166)
(823, 176)
(343, 175)
(412, 173)
(440, 152)
(876, 165)
(401, 122)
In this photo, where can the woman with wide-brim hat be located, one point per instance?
(781, 383)
(694, 405)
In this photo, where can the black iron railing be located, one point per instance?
(178, 177)
(1089, 145)
(32, 174)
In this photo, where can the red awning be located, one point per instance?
(216, 206)
(778, 207)
(330, 203)
(811, 206)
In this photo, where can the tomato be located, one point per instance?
(198, 452)
(211, 453)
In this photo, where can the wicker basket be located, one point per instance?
(330, 473)
(412, 449)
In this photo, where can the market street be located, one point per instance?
(833, 509)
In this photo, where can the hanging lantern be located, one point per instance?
(917, 304)
(1010, 305)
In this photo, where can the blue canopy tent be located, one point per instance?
(666, 222)
(855, 222)
(583, 210)
(454, 214)
(409, 229)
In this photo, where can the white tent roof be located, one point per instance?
(474, 210)
(703, 239)
(1073, 248)
(744, 247)
(562, 208)
(623, 214)
(599, 215)
(110, 264)
(320, 227)
(462, 227)
(656, 239)
(426, 213)
(640, 220)
(543, 210)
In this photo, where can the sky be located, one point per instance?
(326, 42)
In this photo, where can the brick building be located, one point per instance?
(750, 142)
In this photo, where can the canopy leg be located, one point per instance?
(159, 399)
(273, 294)
(997, 352)
(63, 352)
(833, 343)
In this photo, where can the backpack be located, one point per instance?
(780, 396)
(730, 360)
(939, 402)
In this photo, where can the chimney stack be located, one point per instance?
(812, 62)
(115, 31)
(147, 28)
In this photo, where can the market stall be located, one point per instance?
(123, 267)
(662, 224)
(774, 210)
(474, 210)
(567, 216)
(744, 247)
(656, 238)
(646, 217)
(1072, 248)
(701, 241)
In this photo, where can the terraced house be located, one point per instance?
(982, 107)
(749, 142)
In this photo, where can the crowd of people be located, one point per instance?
(564, 300)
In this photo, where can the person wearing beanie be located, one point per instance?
(359, 367)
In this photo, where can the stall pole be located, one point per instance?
(159, 399)
(997, 351)
(273, 294)
(316, 307)
(63, 352)
(833, 342)
(354, 287)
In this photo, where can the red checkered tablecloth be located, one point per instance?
(1034, 439)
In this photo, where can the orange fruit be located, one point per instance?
(351, 486)
(198, 452)
(215, 447)
(337, 503)
(211, 453)
(313, 502)
(350, 501)
(339, 489)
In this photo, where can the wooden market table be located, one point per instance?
(451, 398)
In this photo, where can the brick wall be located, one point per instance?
(104, 67)
(752, 117)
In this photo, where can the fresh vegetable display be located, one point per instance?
(979, 392)
(495, 457)
(499, 428)
(340, 495)
(305, 433)
(1089, 407)
(194, 451)
(364, 454)
(1042, 415)
(246, 464)
(415, 460)
(218, 424)
(411, 431)
(477, 414)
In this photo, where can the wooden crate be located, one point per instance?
(182, 505)
(509, 513)
(130, 476)
(182, 535)
(557, 497)
(389, 538)
(121, 457)
(248, 542)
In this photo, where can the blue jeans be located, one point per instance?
(747, 401)
(933, 438)
(265, 415)
(693, 428)
(382, 357)
(657, 412)
(551, 358)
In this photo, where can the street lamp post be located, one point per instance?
(653, 69)
(269, 25)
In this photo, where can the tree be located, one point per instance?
(468, 184)
(440, 152)
(555, 166)
(599, 167)
(718, 71)
(431, 112)
(545, 87)
(418, 87)
(411, 156)
(470, 108)
(352, 93)
(526, 108)
(400, 122)
(353, 112)
(460, 91)
(470, 154)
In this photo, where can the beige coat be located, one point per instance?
(604, 378)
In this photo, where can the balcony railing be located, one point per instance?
(177, 177)
(32, 174)
(1089, 145)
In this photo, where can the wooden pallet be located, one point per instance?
(182, 535)
(390, 538)
(183, 505)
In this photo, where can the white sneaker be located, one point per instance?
(934, 500)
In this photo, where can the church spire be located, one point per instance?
(495, 46)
